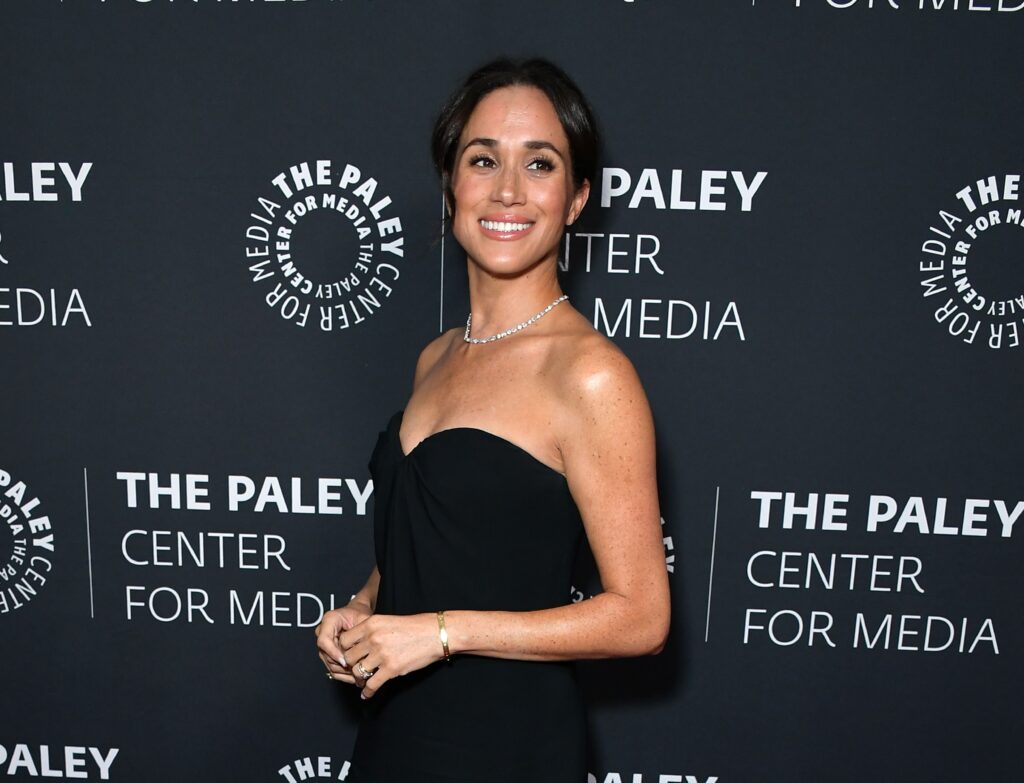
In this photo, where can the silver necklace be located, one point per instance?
(514, 329)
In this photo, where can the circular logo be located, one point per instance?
(971, 264)
(29, 549)
(324, 246)
(314, 768)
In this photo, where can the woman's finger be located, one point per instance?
(356, 652)
(332, 664)
(327, 635)
(344, 677)
(370, 665)
(336, 672)
(374, 683)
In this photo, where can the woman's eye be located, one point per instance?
(541, 164)
(481, 160)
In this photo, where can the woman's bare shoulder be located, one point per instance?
(432, 352)
(604, 419)
(585, 356)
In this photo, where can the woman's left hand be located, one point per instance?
(392, 645)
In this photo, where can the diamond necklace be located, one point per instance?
(515, 328)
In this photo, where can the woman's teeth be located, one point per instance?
(502, 227)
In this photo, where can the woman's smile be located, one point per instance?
(503, 228)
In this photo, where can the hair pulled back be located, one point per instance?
(574, 114)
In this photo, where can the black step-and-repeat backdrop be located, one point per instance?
(220, 254)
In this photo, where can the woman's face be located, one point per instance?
(512, 182)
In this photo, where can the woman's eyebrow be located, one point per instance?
(530, 145)
(542, 145)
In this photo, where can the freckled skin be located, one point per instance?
(558, 389)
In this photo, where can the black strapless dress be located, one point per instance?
(469, 520)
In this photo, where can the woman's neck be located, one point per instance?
(500, 303)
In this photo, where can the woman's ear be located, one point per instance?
(579, 200)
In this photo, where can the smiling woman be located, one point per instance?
(525, 431)
(512, 189)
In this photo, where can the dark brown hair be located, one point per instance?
(574, 113)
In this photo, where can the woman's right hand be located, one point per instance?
(327, 632)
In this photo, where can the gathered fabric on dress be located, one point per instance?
(469, 520)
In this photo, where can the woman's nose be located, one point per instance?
(508, 186)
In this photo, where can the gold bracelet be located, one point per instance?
(443, 633)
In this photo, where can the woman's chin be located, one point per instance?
(509, 268)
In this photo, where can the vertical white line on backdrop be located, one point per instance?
(711, 574)
(440, 318)
(88, 539)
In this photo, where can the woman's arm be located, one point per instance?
(368, 593)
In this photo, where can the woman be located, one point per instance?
(524, 430)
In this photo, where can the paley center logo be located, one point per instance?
(324, 246)
(661, 314)
(35, 183)
(29, 562)
(314, 768)
(970, 264)
(44, 761)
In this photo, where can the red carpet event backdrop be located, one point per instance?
(221, 252)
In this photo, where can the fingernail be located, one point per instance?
(343, 662)
(362, 695)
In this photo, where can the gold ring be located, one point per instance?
(362, 671)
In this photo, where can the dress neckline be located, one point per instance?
(400, 415)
